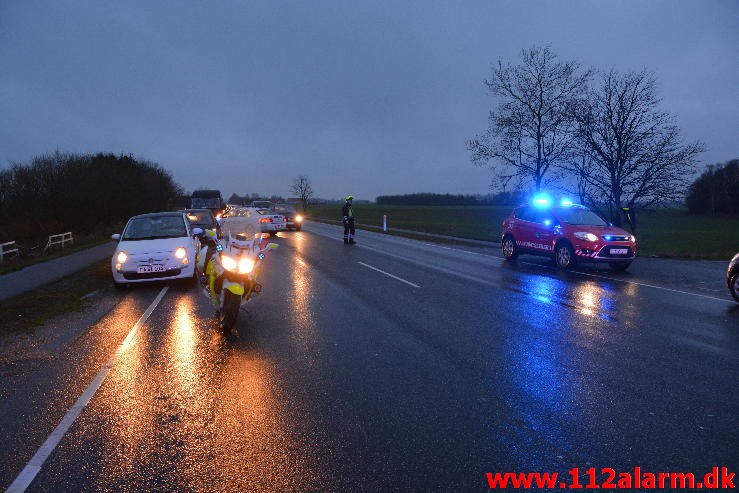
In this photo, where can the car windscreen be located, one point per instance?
(579, 215)
(284, 209)
(206, 203)
(201, 218)
(154, 227)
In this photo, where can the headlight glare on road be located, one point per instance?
(246, 265)
(586, 236)
(122, 257)
(180, 253)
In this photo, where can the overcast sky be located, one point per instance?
(365, 98)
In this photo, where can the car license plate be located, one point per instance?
(145, 269)
(619, 251)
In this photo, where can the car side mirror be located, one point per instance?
(115, 237)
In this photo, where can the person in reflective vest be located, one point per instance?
(348, 214)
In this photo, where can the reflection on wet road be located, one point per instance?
(343, 379)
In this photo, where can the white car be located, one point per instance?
(271, 223)
(154, 247)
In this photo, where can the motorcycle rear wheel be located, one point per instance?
(229, 311)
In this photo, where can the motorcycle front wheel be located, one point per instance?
(230, 311)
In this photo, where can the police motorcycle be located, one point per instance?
(228, 269)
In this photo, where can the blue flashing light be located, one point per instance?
(542, 200)
(547, 222)
(565, 202)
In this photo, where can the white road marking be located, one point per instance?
(390, 275)
(27, 475)
(652, 286)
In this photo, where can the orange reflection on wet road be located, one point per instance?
(300, 294)
(127, 415)
(181, 344)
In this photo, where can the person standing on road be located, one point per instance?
(348, 213)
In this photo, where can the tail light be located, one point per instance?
(265, 220)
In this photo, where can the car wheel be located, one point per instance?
(508, 245)
(619, 266)
(188, 281)
(564, 256)
(734, 286)
(298, 228)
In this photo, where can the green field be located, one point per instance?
(665, 233)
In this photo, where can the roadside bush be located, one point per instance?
(80, 193)
(716, 190)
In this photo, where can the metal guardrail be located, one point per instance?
(8, 248)
(60, 239)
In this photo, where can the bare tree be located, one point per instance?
(637, 157)
(303, 188)
(532, 130)
(579, 169)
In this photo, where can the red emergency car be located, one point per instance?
(568, 232)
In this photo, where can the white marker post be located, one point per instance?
(384, 222)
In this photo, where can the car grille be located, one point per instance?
(615, 238)
(134, 276)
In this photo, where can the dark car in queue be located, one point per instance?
(570, 233)
(294, 220)
(732, 277)
(203, 218)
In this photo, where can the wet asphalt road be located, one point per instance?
(345, 378)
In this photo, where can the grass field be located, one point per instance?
(665, 233)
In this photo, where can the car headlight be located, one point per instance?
(180, 253)
(586, 236)
(298, 219)
(122, 257)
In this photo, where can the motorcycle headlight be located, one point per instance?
(246, 265)
(122, 257)
(586, 236)
(228, 263)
